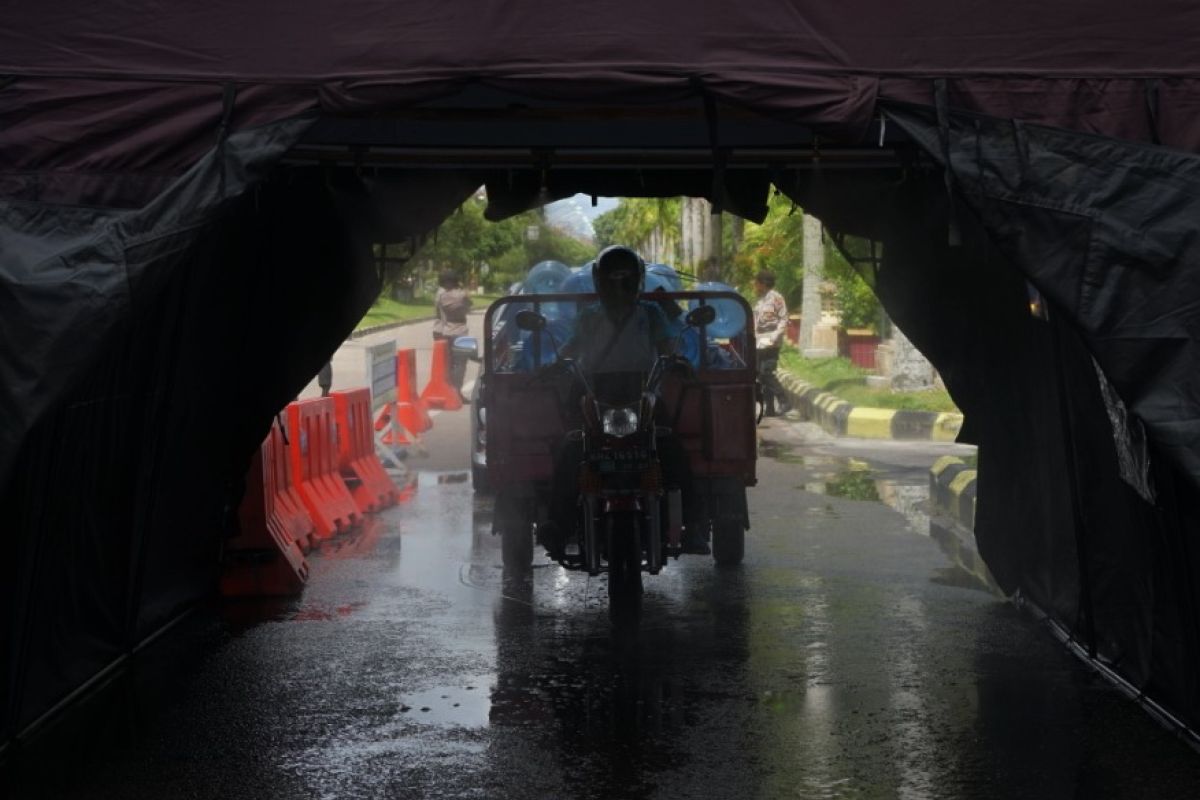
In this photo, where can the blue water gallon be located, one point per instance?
(556, 332)
(545, 277)
(579, 281)
(731, 315)
(668, 274)
(655, 281)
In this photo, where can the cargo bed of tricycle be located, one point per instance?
(711, 410)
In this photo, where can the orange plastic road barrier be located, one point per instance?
(369, 485)
(331, 477)
(264, 558)
(410, 409)
(313, 452)
(288, 504)
(438, 392)
(348, 417)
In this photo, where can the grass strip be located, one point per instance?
(841, 377)
(386, 311)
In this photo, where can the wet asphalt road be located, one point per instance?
(843, 660)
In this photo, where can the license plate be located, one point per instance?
(631, 460)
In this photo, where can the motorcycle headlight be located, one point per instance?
(619, 421)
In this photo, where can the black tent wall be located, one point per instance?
(126, 485)
(1056, 523)
(1107, 230)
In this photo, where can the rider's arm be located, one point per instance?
(660, 330)
(571, 347)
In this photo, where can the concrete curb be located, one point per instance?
(843, 419)
(952, 516)
(952, 490)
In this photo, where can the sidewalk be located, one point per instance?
(840, 418)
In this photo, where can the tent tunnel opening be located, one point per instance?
(159, 233)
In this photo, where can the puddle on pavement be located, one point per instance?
(780, 452)
(854, 479)
(467, 704)
(855, 483)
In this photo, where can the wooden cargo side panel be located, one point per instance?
(730, 432)
(714, 420)
(524, 426)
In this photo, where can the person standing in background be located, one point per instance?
(325, 378)
(770, 324)
(452, 304)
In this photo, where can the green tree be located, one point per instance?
(856, 301)
(775, 245)
(635, 219)
(466, 240)
(554, 245)
(607, 227)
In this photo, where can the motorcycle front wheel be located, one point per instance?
(728, 542)
(624, 566)
(516, 545)
(514, 518)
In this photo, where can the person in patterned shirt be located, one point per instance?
(770, 323)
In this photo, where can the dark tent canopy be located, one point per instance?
(105, 105)
(157, 246)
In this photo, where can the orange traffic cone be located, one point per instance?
(410, 409)
(438, 392)
(394, 434)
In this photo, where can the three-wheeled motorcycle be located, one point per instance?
(628, 520)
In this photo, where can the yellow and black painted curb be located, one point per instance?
(952, 516)
(952, 490)
(841, 418)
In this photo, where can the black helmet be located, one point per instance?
(618, 268)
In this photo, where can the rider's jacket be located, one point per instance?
(602, 344)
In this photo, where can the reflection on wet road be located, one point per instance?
(836, 663)
(852, 478)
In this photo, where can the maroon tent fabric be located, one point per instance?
(431, 42)
(121, 89)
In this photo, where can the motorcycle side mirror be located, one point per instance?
(700, 316)
(528, 320)
(467, 346)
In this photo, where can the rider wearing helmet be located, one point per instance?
(620, 333)
(619, 336)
